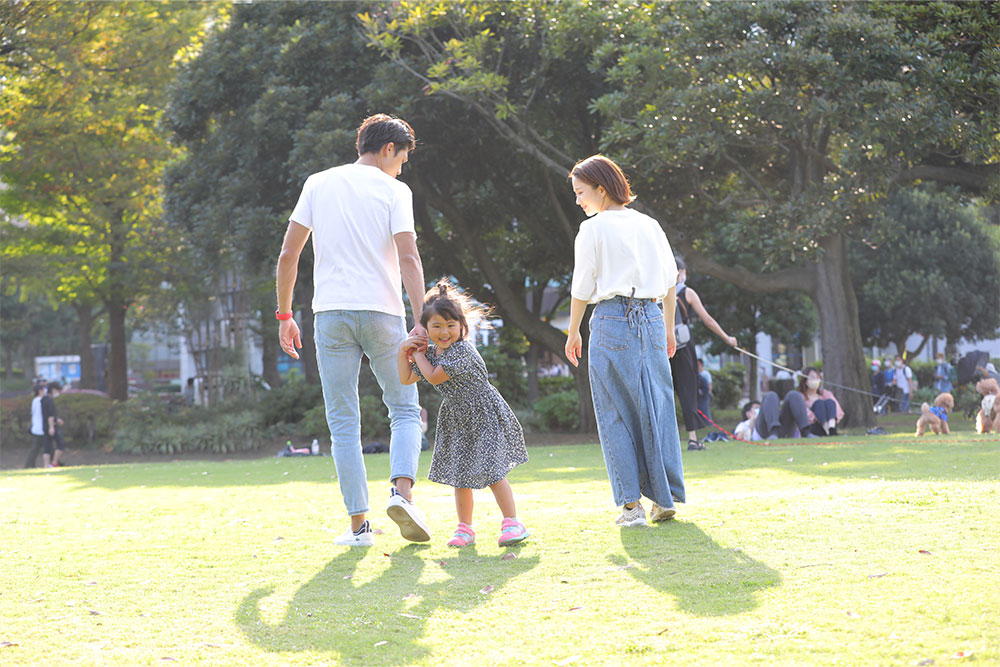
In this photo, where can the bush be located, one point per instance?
(290, 402)
(727, 385)
(924, 372)
(923, 395)
(559, 411)
(554, 384)
(189, 430)
(88, 417)
(506, 374)
(15, 421)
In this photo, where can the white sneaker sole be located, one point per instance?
(366, 540)
(663, 514)
(411, 525)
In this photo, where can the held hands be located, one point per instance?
(574, 347)
(289, 337)
(415, 343)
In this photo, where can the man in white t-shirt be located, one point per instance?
(365, 245)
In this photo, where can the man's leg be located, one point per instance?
(768, 418)
(338, 356)
(381, 336)
(794, 414)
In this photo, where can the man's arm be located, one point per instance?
(288, 270)
(412, 270)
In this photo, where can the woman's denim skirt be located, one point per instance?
(634, 401)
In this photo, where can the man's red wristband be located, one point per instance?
(282, 316)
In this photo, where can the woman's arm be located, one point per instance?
(709, 321)
(433, 374)
(669, 308)
(574, 342)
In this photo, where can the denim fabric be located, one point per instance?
(342, 336)
(824, 409)
(633, 395)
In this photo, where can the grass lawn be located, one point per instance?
(868, 551)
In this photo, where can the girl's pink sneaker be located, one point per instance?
(463, 537)
(512, 531)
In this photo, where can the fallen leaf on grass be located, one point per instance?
(90, 583)
(486, 589)
(381, 643)
(167, 657)
(278, 538)
(567, 661)
(410, 616)
(409, 595)
(377, 531)
(853, 614)
(625, 567)
(94, 613)
(441, 563)
(962, 654)
(575, 608)
(386, 555)
(925, 662)
(877, 575)
(509, 556)
(349, 576)
(663, 631)
(924, 552)
(6, 644)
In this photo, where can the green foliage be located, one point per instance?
(506, 374)
(924, 372)
(374, 418)
(147, 425)
(727, 385)
(89, 418)
(15, 420)
(290, 402)
(934, 271)
(559, 411)
(554, 384)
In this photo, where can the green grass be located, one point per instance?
(788, 555)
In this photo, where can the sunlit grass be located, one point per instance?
(870, 551)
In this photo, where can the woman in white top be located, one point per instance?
(623, 263)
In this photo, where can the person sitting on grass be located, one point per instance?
(478, 439)
(746, 430)
(824, 410)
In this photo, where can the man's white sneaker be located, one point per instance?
(364, 537)
(412, 525)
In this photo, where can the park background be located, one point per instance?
(828, 170)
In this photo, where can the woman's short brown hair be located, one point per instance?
(598, 170)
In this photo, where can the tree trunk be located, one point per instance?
(270, 349)
(85, 324)
(532, 362)
(118, 362)
(840, 332)
(753, 388)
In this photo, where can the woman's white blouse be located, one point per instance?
(618, 250)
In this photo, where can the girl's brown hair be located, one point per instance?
(598, 170)
(445, 300)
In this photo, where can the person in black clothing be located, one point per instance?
(54, 443)
(683, 365)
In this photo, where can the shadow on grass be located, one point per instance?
(679, 559)
(332, 614)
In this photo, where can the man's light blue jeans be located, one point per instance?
(342, 336)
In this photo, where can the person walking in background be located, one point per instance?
(623, 263)
(364, 246)
(704, 390)
(478, 440)
(38, 437)
(942, 375)
(54, 443)
(902, 379)
(683, 365)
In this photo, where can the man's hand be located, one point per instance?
(289, 337)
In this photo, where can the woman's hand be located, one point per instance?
(574, 347)
(671, 344)
(732, 341)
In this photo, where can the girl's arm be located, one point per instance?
(433, 374)
(406, 374)
(709, 321)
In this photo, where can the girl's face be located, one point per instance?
(443, 332)
(588, 197)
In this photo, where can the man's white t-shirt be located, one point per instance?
(353, 211)
(618, 250)
(902, 378)
(37, 421)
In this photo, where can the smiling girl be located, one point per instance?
(479, 440)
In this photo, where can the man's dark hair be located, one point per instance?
(54, 386)
(381, 129)
(747, 407)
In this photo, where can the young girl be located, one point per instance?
(479, 440)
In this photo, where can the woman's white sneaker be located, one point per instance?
(632, 517)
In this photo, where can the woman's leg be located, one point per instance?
(685, 375)
(505, 498)
(463, 505)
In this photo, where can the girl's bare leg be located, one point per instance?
(505, 498)
(463, 505)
